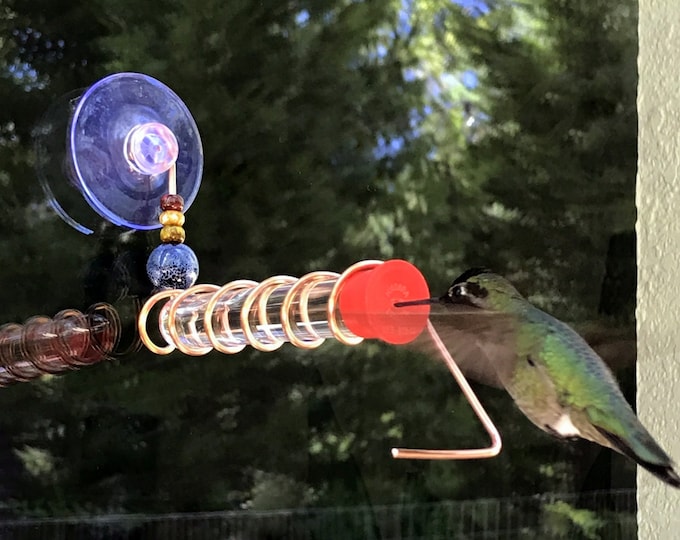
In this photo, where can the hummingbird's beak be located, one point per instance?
(422, 302)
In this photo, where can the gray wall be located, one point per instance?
(658, 228)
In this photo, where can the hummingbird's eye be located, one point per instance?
(457, 291)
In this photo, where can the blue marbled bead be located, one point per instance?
(172, 266)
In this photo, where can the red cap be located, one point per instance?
(366, 302)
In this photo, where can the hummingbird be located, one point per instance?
(555, 378)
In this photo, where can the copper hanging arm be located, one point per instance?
(476, 453)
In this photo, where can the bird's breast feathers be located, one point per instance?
(565, 427)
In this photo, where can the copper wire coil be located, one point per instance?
(141, 323)
(334, 324)
(44, 345)
(258, 299)
(228, 291)
(254, 315)
(172, 327)
(301, 288)
(16, 366)
(106, 330)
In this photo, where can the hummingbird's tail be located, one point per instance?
(663, 469)
(665, 473)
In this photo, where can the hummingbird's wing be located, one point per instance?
(481, 342)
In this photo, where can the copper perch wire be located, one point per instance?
(476, 453)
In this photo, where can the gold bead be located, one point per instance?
(172, 234)
(171, 217)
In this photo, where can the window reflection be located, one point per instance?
(449, 134)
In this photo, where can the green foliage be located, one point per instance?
(563, 520)
(556, 149)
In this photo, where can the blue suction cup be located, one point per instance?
(111, 150)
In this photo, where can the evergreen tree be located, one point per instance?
(450, 135)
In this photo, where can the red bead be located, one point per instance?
(172, 202)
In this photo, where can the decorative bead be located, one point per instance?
(172, 201)
(172, 266)
(172, 235)
(171, 217)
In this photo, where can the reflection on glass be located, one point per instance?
(449, 134)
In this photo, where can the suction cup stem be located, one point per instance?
(123, 135)
(151, 148)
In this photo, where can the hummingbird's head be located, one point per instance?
(480, 287)
(476, 287)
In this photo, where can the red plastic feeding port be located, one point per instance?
(366, 301)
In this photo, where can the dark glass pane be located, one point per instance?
(451, 135)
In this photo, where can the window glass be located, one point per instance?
(452, 135)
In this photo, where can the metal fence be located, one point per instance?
(606, 515)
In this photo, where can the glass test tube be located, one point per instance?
(265, 328)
